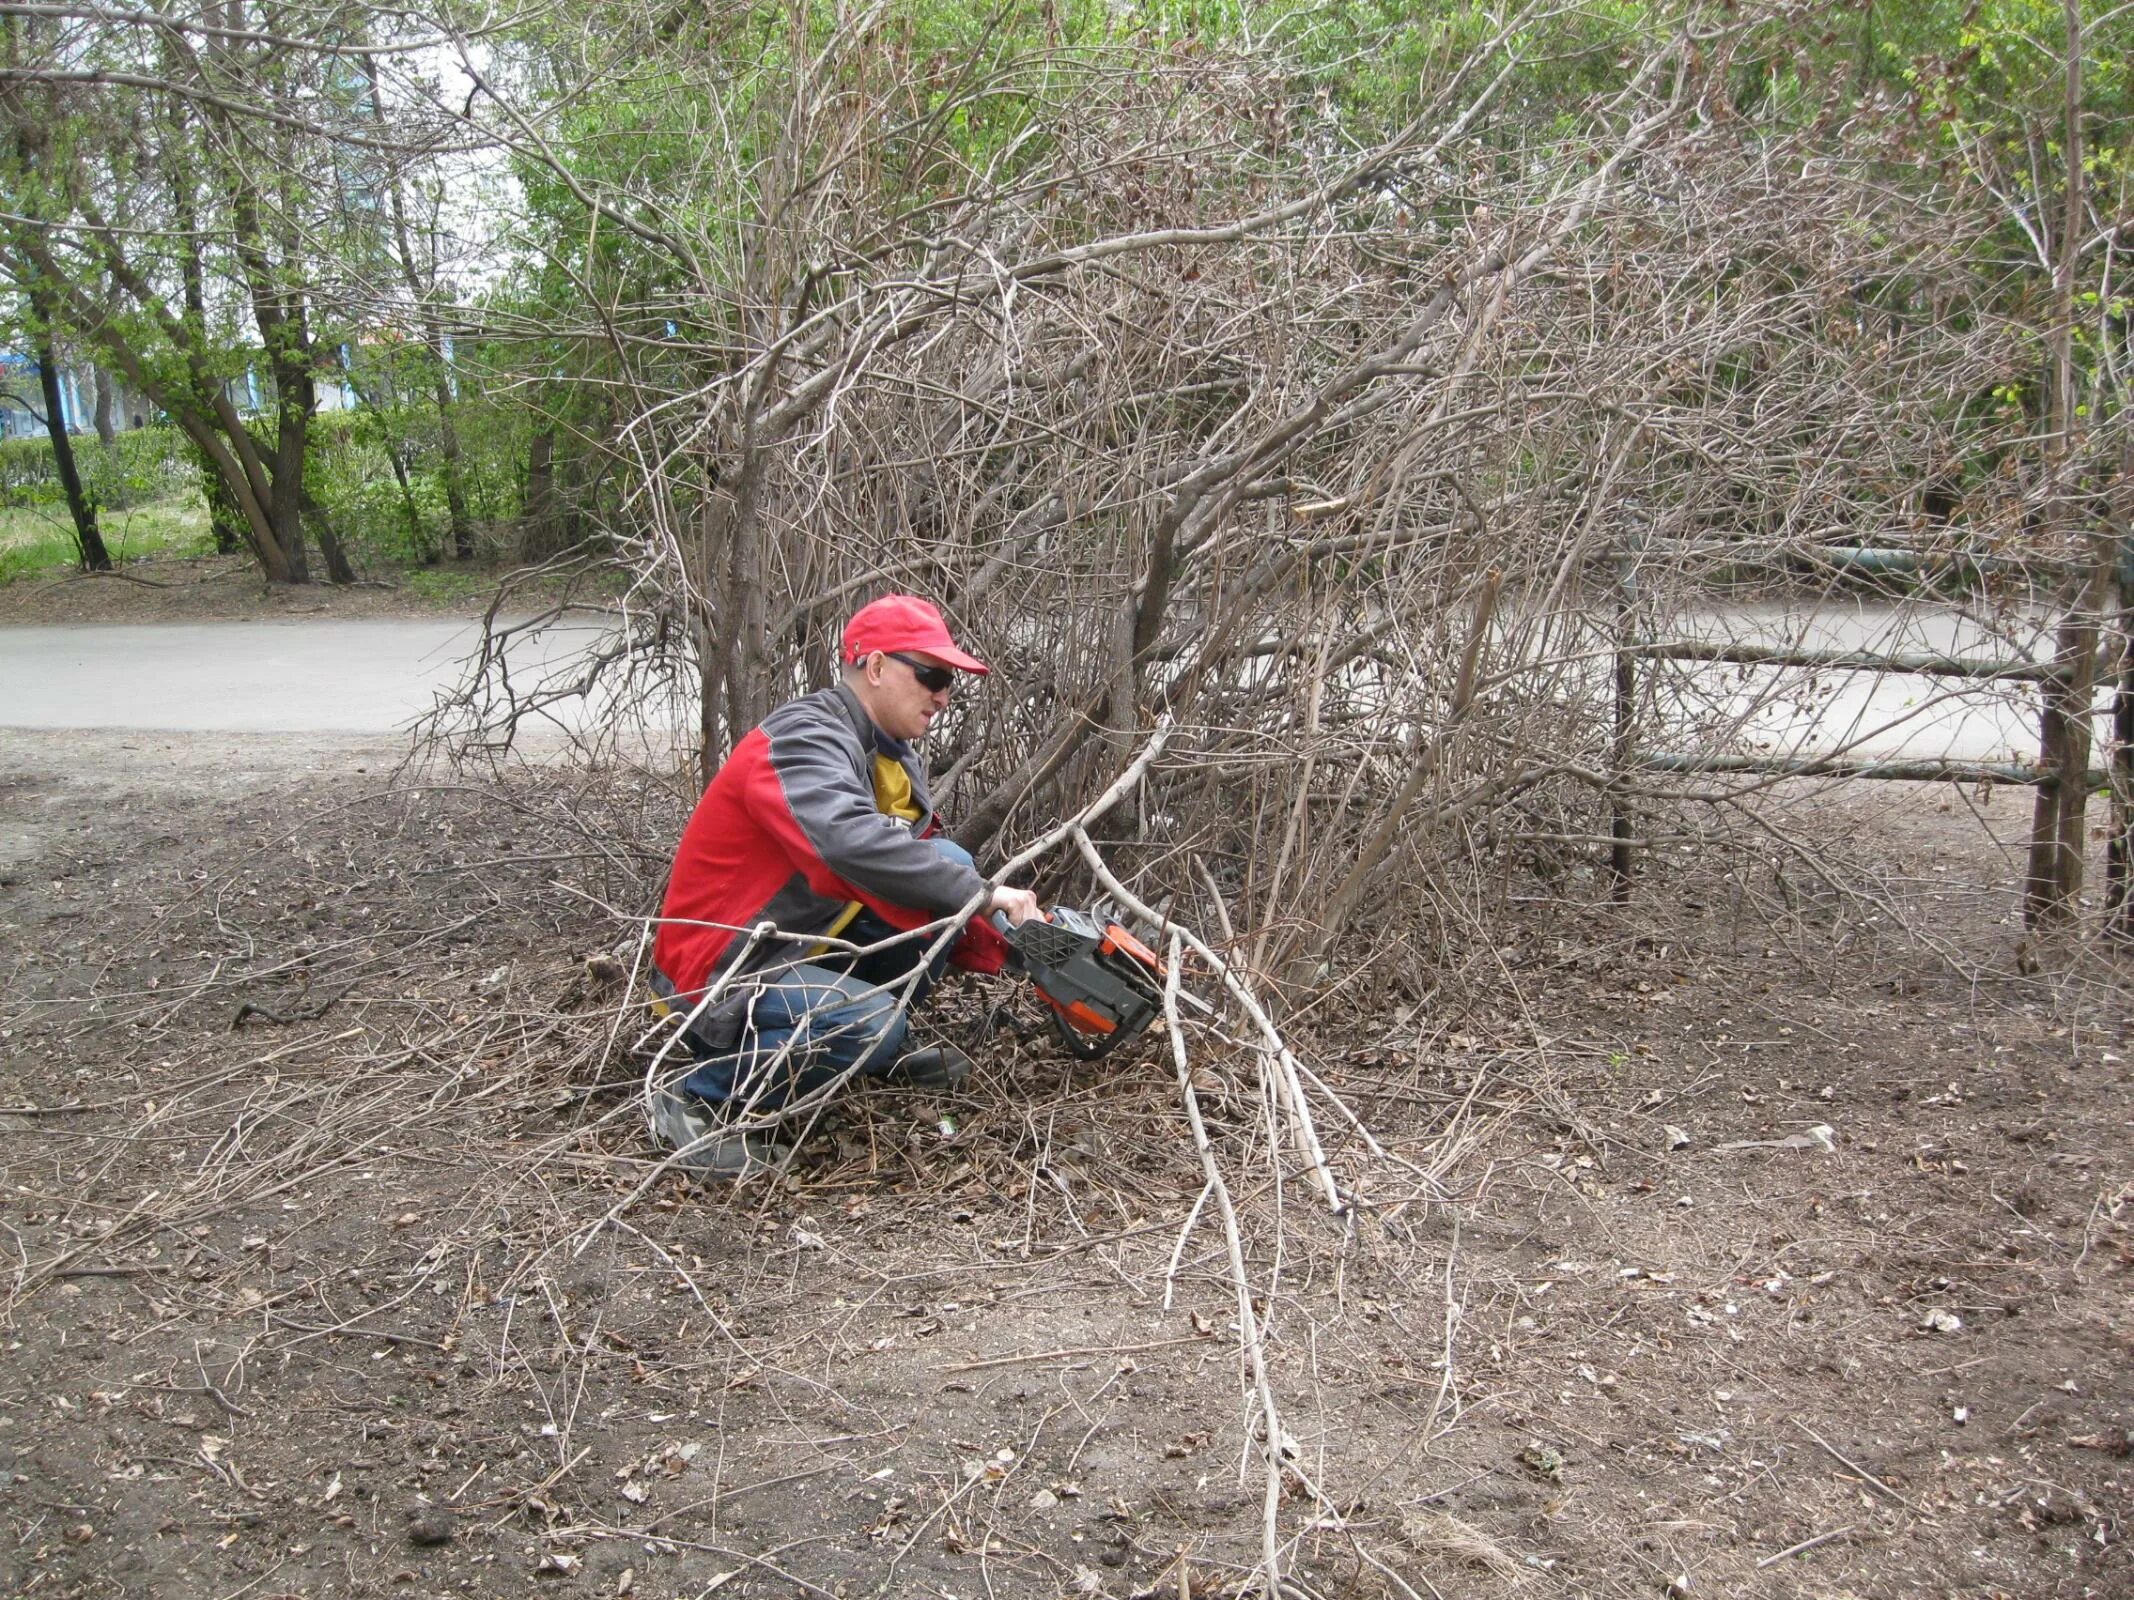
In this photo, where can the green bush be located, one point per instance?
(139, 466)
(493, 441)
(351, 474)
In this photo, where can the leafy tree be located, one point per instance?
(205, 167)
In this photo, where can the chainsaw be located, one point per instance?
(1102, 985)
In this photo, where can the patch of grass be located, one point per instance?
(446, 585)
(38, 541)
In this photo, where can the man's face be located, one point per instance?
(899, 703)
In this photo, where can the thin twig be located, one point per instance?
(1805, 1544)
(1249, 1338)
(1853, 1466)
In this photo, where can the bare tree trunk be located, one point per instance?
(2054, 878)
(2119, 847)
(742, 608)
(1622, 740)
(44, 303)
(285, 504)
(2119, 850)
(225, 514)
(267, 249)
(449, 453)
(701, 592)
(320, 523)
(225, 517)
(105, 400)
(537, 514)
(88, 539)
(424, 295)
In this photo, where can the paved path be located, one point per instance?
(313, 675)
(375, 676)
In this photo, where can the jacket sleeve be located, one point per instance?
(821, 813)
(979, 948)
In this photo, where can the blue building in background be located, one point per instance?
(22, 399)
(251, 392)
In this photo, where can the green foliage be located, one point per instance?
(493, 439)
(137, 467)
(704, 132)
(1376, 60)
(351, 473)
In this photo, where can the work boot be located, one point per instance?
(703, 1144)
(938, 1066)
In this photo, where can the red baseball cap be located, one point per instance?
(904, 622)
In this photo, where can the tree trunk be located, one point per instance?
(288, 525)
(1622, 740)
(2119, 846)
(88, 541)
(106, 399)
(538, 512)
(433, 339)
(742, 610)
(294, 401)
(703, 596)
(265, 248)
(315, 518)
(286, 500)
(411, 513)
(455, 476)
(2119, 868)
(225, 517)
(2054, 878)
(44, 301)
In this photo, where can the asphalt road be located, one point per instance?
(312, 675)
(376, 676)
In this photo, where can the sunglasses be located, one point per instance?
(931, 678)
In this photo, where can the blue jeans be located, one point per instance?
(839, 1013)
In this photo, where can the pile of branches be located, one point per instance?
(1354, 461)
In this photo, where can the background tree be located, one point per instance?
(205, 167)
(81, 506)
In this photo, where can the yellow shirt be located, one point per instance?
(892, 789)
(893, 798)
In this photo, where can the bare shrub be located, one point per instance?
(1359, 463)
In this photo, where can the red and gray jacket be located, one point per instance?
(789, 833)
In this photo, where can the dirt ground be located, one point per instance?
(328, 1273)
(216, 588)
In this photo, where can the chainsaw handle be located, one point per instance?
(1006, 930)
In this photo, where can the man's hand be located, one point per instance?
(1017, 905)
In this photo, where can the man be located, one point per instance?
(819, 822)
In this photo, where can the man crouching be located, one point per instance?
(819, 823)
